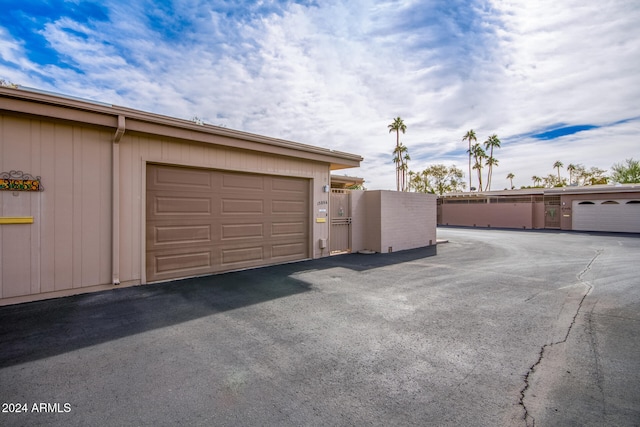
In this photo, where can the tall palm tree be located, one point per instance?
(510, 177)
(490, 162)
(470, 136)
(571, 169)
(401, 157)
(558, 164)
(405, 167)
(397, 126)
(492, 142)
(536, 180)
(479, 155)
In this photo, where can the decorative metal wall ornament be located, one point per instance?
(19, 181)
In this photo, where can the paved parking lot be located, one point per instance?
(500, 328)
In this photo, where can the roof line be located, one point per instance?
(46, 97)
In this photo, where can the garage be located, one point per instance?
(127, 197)
(203, 221)
(617, 215)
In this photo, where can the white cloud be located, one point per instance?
(336, 74)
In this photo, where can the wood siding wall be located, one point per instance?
(69, 244)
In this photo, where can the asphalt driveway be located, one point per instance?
(499, 328)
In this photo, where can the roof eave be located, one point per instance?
(43, 104)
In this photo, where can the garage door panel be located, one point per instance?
(242, 231)
(288, 229)
(246, 255)
(182, 234)
(242, 207)
(225, 222)
(170, 177)
(288, 250)
(238, 183)
(168, 205)
(175, 263)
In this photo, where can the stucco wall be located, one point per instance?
(393, 220)
(508, 215)
(538, 215)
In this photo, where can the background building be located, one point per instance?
(613, 208)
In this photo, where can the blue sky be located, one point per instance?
(555, 80)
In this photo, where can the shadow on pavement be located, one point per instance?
(40, 329)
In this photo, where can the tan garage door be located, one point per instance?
(202, 221)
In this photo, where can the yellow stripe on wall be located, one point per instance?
(16, 220)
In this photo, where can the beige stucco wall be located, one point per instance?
(538, 215)
(391, 219)
(68, 248)
(508, 215)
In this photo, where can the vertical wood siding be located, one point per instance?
(68, 246)
(69, 243)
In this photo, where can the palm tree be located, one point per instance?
(405, 167)
(479, 155)
(536, 180)
(558, 164)
(412, 179)
(397, 126)
(489, 144)
(571, 168)
(510, 177)
(469, 136)
(397, 158)
(401, 157)
(491, 162)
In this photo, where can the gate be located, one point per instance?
(340, 216)
(551, 211)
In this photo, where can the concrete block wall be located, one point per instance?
(408, 220)
(391, 219)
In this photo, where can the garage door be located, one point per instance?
(621, 215)
(202, 221)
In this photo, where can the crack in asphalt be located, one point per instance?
(594, 347)
(528, 418)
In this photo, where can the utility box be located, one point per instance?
(323, 243)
